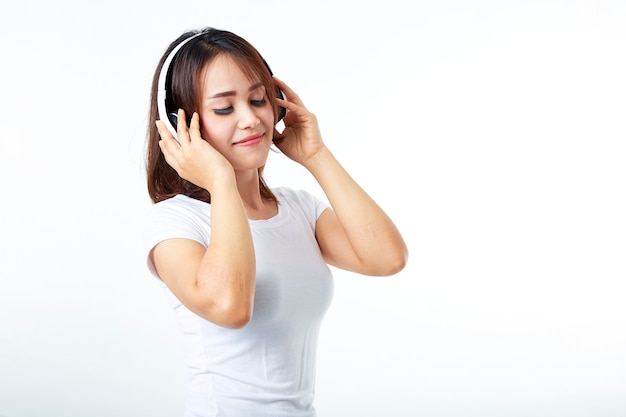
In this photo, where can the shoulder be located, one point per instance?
(302, 200)
(293, 195)
(179, 202)
(179, 216)
(177, 206)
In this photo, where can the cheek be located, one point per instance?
(268, 116)
(214, 132)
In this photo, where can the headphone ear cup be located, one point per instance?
(282, 112)
(173, 118)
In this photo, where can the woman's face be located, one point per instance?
(236, 116)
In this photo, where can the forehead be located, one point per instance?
(226, 71)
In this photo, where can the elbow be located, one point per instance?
(400, 260)
(237, 321)
(231, 314)
(393, 256)
(394, 268)
(229, 300)
(398, 265)
(393, 263)
(235, 315)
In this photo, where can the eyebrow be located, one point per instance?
(232, 93)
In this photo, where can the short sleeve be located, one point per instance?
(178, 217)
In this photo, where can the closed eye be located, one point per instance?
(259, 103)
(226, 110)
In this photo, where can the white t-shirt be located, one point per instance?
(266, 368)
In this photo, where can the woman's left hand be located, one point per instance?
(301, 139)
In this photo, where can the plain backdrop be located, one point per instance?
(493, 132)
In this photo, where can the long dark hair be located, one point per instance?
(184, 90)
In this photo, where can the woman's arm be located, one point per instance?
(218, 282)
(356, 235)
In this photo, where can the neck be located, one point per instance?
(257, 207)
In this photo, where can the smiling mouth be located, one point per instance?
(250, 140)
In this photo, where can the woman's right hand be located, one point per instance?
(193, 158)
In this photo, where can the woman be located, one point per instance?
(246, 265)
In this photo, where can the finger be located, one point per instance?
(168, 144)
(168, 148)
(291, 106)
(166, 136)
(289, 93)
(163, 132)
(182, 130)
(194, 126)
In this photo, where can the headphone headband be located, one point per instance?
(162, 91)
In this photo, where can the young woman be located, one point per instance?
(246, 265)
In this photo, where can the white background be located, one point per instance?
(493, 132)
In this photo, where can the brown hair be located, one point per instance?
(184, 90)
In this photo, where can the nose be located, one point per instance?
(248, 117)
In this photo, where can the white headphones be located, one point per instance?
(162, 92)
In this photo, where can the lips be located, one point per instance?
(250, 140)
